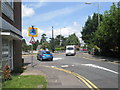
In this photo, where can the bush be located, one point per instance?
(57, 49)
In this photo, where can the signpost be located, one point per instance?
(32, 32)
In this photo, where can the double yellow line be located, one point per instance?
(88, 83)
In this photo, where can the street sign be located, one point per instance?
(33, 32)
(32, 41)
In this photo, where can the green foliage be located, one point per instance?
(24, 45)
(44, 42)
(57, 49)
(90, 27)
(73, 40)
(106, 36)
(35, 45)
(43, 38)
(108, 33)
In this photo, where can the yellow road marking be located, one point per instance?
(88, 83)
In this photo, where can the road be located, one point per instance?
(102, 74)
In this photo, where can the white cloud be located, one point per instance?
(57, 13)
(27, 11)
(37, 5)
(75, 23)
(24, 32)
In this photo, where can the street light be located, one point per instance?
(98, 11)
(60, 37)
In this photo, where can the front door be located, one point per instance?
(11, 54)
(7, 52)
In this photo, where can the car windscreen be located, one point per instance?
(70, 48)
(46, 52)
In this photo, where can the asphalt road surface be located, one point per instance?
(102, 74)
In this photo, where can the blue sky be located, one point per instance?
(71, 15)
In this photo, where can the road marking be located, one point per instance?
(99, 67)
(72, 65)
(64, 66)
(57, 58)
(52, 66)
(88, 83)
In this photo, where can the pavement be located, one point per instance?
(55, 78)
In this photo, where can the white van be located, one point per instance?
(70, 50)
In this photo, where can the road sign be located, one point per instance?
(32, 40)
(33, 32)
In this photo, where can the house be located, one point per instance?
(11, 34)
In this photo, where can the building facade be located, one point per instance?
(11, 33)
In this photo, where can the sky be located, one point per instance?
(65, 17)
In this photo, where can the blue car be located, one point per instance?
(44, 55)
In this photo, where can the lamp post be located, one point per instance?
(60, 37)
(98, 11)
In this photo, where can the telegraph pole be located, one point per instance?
(52, 40)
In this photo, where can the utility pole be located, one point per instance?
(98, 14)
(60, 37)
(52, 40)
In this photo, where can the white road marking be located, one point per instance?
(99, 67)
(72, 65)
(57, 58)
(64, 66)
(52, 66)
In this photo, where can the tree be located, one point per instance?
(35, 45)
(44, 42)
(24, 45)
(90, 27)
(108, 33)
(57, 40)
(73, 40)
(43, 39)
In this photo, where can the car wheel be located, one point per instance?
(52, 59)
(66, 55)
(37, 58)
(41, 59)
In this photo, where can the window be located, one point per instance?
(10, 2)
(7, 8)
(70, 48)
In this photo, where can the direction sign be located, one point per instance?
(33, 32)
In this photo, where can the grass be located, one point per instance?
(26, 81)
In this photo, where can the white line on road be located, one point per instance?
(57, 58)
(64, 66)
(72, 65)
(99, 67)
(52, 66)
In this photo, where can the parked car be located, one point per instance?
(44, 55)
